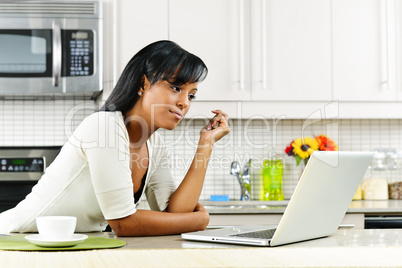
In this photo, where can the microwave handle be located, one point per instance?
(56, 44)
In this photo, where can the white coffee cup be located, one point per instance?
(56, 227)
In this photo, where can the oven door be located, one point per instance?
(20, 169)
(12, 192)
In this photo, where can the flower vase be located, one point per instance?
(301, 167)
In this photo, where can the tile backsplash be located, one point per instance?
(268, 139)
(40, 122)
(43, 122)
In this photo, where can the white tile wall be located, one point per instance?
(50, 122)
(40, 122)
(258, 139)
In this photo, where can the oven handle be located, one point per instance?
(56, 30)
(382, 222)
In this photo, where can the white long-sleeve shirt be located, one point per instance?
(91, 179)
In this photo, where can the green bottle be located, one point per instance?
(272, 173)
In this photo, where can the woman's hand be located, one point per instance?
(216, 128)
(204, 215)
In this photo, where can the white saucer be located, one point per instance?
(40, 241)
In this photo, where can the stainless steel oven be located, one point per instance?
(20, 170)
(50, 48)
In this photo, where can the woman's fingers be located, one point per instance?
(219, 118)
(216, 128)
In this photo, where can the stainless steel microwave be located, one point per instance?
(50, 48)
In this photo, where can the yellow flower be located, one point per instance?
(305, 147)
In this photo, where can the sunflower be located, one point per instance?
(326, 144)
(305, 147)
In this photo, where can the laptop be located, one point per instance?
(316, 208)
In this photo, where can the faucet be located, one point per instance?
(243, 179)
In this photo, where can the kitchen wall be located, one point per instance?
(41, 122)
(268, 138)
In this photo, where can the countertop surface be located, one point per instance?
(346, 248)
(278, 207)
(344, 237)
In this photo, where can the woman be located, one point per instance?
(114, 156)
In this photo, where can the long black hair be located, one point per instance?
(162, 60)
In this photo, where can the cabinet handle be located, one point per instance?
(241, 45)
(56, 44)
(384, 71)
(264, 68)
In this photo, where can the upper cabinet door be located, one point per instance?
(364, 50)
(291, 49)
(218, 32)
(138, 24)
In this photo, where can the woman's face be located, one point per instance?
(165, 103)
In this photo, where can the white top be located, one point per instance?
(91, 179)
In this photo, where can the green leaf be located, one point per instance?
(298, 160)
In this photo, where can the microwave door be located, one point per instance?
(57, 51)
(25, 53)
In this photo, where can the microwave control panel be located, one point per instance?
(78, 54)
(24, 164)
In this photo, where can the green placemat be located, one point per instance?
(18, 242)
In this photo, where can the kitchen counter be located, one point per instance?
(377, 207)
(270, 212)
(348, 247)
(344, 237)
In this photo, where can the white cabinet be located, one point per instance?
(277, 57)
(217, 32)
(107, 49)
(291, 50)
(137, 24)
(364, 50)
(257, 50)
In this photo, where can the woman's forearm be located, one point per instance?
(151, 223)
(186, 196)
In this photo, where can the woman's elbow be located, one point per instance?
(120, 226)
(117, 227)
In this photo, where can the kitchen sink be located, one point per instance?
(244, 205)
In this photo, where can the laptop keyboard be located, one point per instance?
(264, 234)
